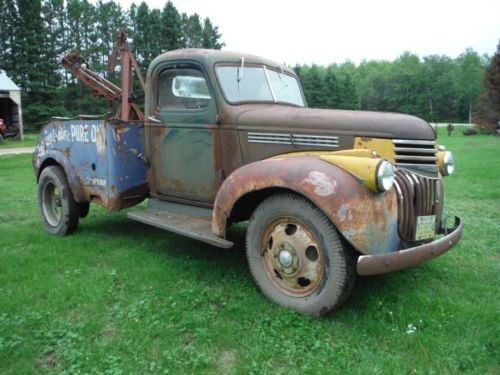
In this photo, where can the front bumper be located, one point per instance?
(398, 260)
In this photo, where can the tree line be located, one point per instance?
(36, 34)
(437, 88)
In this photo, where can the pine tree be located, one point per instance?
(332, 89)
(211, 35)
(314, 87)
(192, 30)
(31, 65)
(8, 41)
(141, 34)
(171, 28)
(348, 96)
(52, 13)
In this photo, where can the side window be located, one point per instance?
(182, 89)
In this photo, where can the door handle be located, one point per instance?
(154, 119)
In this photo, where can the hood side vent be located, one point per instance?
(294, 139)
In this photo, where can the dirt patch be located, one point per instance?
(47, 362)
(226, 361)
(17, 151)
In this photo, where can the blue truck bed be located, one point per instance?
(103, 159)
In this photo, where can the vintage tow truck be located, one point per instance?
(228, 138)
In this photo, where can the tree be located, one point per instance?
(8, 29)
(469, 83)
(439, 73)
(171, 27)
(348, 96)
(314, 87)
(192, 31)
(141, 26)
(488, 114)
(406, 86)
(332, 90)
(211, 35)
(31, 60)
(373, 82)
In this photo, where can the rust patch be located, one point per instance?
(101, 142)
(369, 220)
(217, 151)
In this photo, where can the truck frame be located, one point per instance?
(227, 138)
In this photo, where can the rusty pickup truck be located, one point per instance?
(228, 138)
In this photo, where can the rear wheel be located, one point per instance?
(59, 211)
(296, 256)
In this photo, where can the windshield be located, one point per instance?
(258, 83)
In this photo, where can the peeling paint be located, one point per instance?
(344, 212)
(350, 233)
(323, 185)
(97, 167)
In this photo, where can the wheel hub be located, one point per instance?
(292, 257)
(52, 204)
(285, 258)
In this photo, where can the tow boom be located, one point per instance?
(128, 109)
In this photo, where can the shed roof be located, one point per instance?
(6, 83)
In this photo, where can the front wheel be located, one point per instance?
(59, 211)
(296, 256)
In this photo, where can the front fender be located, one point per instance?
(367, 220)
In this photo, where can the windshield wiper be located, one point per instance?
(240, 73)
(280, 67)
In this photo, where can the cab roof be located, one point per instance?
(210, 57)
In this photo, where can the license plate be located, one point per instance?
(426, 226)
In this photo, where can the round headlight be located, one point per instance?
(449, 163)
(385, 175)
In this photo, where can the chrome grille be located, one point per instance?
(294, 139)
(417, 196)
(416, 156)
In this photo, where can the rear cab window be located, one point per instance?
(182, 89)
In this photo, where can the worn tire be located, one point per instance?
(59, 211)
(309, 268)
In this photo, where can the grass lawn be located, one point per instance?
(119, 297)
(30, 140)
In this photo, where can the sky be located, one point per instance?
(325, 32)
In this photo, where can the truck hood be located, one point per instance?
(328, 121)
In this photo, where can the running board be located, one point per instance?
(199, 228)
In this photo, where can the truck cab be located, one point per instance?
(228, 137)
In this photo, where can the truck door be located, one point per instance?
(184, 145)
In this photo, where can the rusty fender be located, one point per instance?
(367, 220)
(60, 158)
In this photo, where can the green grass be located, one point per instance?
(119, 297)
(29, 140)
